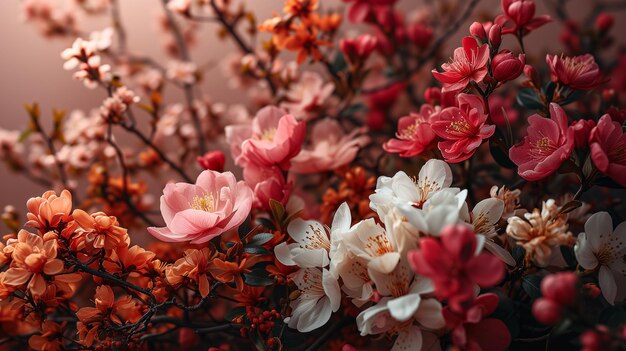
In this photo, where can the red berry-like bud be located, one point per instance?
(560, 288)
(546, 311)
(531, 73)
(478, 30)
(495, 36)
(604, 22)
(212, 160)
(592, 290)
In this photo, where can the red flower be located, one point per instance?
(549, 142)
(470, 331)
(608, 149)
(519, 15)
(456, 265)
(579, 72)
(469, 64)
(359, 49)
(362, 10)
(212, 160)
(463, 128)
(505, 66)
(582, 128)
(415, 134)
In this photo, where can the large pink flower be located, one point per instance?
(274, 138)
(608, 149)
(199, 212)
(519, 15)
(578, 72)
(455, 264)
(469, 64)
(463, 128)
(415, 134)
(331, 148)
(549, 142)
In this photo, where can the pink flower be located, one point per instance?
(268, 184)
(359, 49)
(463, 128)
(273, 139)
(505, 66)
(496, 103)
(608, 149)
(307, 95)
(212, 160)
(472, 331)
(579, 72)
(361, 10)
(582, 128)
(469, 64)
(455, 264)
(199, 212)
(549, 142)
(331, 148)
(519, 15)
(415, 134)
(420, 34)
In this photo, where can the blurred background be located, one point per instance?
(31, 69)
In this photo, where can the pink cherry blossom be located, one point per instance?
(307, 95)
(463, 128)
(519, 15)
(331, 148)
(199, 212)
(549, 142)
(469, 64)
(415, 134)
(274, 138)
(608, 149)
(455, 264)
(578, 72)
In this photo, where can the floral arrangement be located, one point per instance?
(378, 196)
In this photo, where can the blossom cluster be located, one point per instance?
(362, 194)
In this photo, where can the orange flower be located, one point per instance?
(50, 338)
(91, 319)
(32, 259)
(226, 272)
(327, 23)
(250, 295)
(49, 211)
(102, 231)
(305, 42)
(194, 266)
(300, 8)
(134, 260)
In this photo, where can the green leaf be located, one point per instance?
(235, 312)
(265, 223)
(548, 90)
(569, 207)
(24, 135)
(500, 153)
(528, 98)
(244, 228)
(260, 239)
(258, 278)
(255, 250)
(569, 256)
(278, 210)
(531, 285)
(518, 254)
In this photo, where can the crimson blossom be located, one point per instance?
(415, 134)
(519, 15)
(579, 72)
(548, 144)
(469, 64)
(608, 149)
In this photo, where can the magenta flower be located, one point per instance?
(505, 66)
(362, 10)
(471, 330)
(274, 138)
(519, 15)
(608, 149)
(468, 64)
(579, 72)
(415, 134)
(463, 128)
(455, 264)
(357, 50)
(199, 212)
(549, 142)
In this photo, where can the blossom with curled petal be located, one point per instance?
(469, 64)
(319, 297)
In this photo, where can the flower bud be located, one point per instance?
(560, 288)
(505, 66)
(592, 290)
(531, 73)
(359, 49)
(478, 30)
(582, 128)
(212, 160)
(604, 22)
(546, 311)
(495, 36)
(420, 34)
(519, 11)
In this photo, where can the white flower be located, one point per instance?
(405, 316)
(311, 245)
(602, 246)
(320, 296)
(183, 72)
(371, 242)
(402, 190)
(485, 215)
(442, 208)
(102, 40)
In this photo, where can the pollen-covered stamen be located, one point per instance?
(542, 147)
(426, 187)
(398, 282)
(482, 224)
(316, 238)
(459, 126)
(311, 284)
(206, 203)
(379, 244)
(609, 253)
(268, 134)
